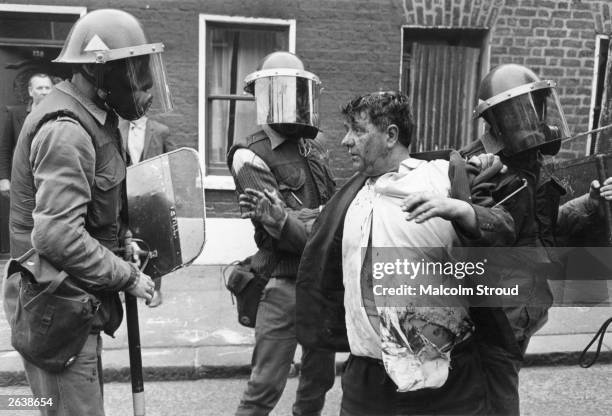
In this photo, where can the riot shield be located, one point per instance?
(166, 209)
(166, 213)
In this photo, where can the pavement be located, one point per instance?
(195, 334)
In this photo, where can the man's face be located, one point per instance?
(367, 145)
(128, 82)
(39, 87)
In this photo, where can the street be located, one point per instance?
(545, 391)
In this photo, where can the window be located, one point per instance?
(602, 45)
(36, 25)
(441, 70)
(232, 48)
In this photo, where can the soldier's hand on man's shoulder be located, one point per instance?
(488, 161)
(422, 206)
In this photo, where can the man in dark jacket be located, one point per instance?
(68, 182)
(39, 86)
(333, 309)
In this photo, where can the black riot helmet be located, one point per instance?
(110, 48)
(286, 95)
(522, 111)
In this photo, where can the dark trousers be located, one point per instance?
(502, 356)
(275, 345)
(368, 390)
(501, 369)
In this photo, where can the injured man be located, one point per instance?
(411, 355)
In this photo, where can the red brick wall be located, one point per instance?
(355, 47)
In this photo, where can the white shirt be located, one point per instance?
(363, 339)
(136, 138)
(376, 207)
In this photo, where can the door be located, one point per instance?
(30, 37)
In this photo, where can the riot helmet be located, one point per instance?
(286, 95)
(522, 111)
(109, 47)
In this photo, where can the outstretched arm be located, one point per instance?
(285, 232)
(422, 206)
(478, 221)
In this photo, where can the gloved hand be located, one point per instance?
(490, 161)
(265, 207)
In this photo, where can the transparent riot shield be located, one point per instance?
(166, 209)
(166, 216)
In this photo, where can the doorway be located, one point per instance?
(31, 36)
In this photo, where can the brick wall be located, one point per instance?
(355, 47)
(557, 40)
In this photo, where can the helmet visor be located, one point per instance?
(286, 99)
(527, 121)
(149, 83)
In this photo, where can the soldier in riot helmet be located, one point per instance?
(282, 163)
(525, 121)
(519, 208)
(68, 185)
(523, 113)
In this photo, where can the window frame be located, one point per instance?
(224, 182)
(597, 88)
(78, 11)
(485, 52)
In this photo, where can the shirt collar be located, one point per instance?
(68, 87)
(139, 123)
(275, 138)
(409, 164)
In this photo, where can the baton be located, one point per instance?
(133, 330)
(601, 172)
(131, 311)
(586, 133)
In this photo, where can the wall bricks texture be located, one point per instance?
(355, 47)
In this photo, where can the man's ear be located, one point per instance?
(30, 92)
(89, 69)
(392, 135)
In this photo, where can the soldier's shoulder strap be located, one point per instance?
(258, 143)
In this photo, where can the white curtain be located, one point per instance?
(235, 54)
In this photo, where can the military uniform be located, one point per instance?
(66, 202)
(298, 171)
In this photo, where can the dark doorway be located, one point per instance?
(30, 38)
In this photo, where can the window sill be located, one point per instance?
(219, 182)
